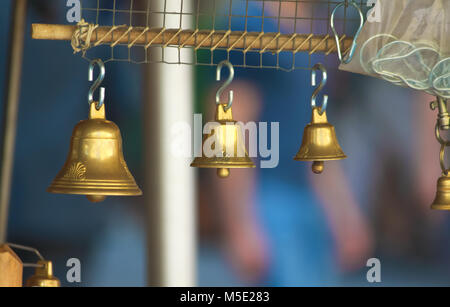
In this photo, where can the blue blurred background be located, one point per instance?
(285, 227)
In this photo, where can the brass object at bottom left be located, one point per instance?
(43, 276)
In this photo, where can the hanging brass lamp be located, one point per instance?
(95, 166)
(319, 142)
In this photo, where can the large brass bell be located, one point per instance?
(95, 166)
(226, 142)
(319, 143)
(43, 276)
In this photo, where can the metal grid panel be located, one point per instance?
(282, 21)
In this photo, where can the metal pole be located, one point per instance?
(18, 24)
(170, 184)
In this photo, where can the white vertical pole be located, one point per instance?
(170, 180)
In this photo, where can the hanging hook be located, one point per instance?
(336, 35)
(322, 84)
(443, 116)
(226, 84)
(97, 83)
(28, 249)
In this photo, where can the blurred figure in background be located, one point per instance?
(288, 227)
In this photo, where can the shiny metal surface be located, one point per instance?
(229, 138)
(319, 142)
(95, 165)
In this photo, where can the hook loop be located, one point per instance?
(226, 84)
(336, 35)
(322, 84)
(439, 137)
(97, 83)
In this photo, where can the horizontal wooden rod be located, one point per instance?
(204, 39)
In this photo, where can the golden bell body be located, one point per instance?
(319, 142)
(442, 200)
(43, 277)
(95, 166)
(227, 140)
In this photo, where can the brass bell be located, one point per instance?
(226, 140)
(319, 142)
(43, 276)
(95, 166)
(442, 200)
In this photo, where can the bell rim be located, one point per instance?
(224, 166)
(333, 158)
(440, 207)
(136, 191)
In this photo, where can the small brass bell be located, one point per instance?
(319, 143)
(228, 140)
(442, 200)
(43, 276)
(95, 166)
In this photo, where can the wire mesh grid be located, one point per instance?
(285, 35)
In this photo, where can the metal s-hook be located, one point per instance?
(336, 35)
(97, 83)
(226, 84)
(322, 84)
(28, 249)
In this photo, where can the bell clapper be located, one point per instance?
(318, 167)
(96, 198)
(223, 173)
